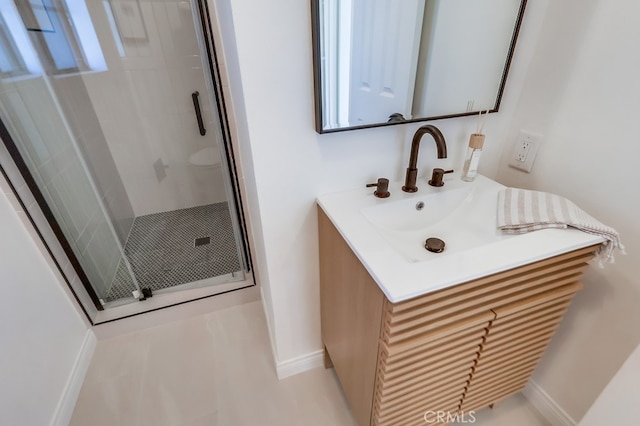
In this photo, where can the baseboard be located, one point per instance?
(67, 402)
(272, 337)
(292, 366)
(549, 409)
(300, 364)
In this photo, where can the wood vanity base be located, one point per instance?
(454, 350)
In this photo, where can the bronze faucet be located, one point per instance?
(412, 170)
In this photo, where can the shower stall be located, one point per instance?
(116, 141)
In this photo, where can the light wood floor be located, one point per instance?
(217, 370)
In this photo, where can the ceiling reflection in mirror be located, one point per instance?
(380, 62)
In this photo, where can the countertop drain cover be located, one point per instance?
(434, 245)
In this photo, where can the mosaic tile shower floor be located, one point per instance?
(162, 252)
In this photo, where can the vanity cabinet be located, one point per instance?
(453, 350)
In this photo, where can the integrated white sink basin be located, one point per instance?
(462, 215)
(388, 235)
(419, 212)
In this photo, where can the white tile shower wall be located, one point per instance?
(81, 116)
(29, 111)
(143, 103)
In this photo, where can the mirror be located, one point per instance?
(382, 62)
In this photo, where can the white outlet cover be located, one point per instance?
(532, 141)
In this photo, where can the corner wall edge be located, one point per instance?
(69, 397)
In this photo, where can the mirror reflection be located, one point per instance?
(381, 62)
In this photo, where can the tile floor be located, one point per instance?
(162, 252)
(217, 370)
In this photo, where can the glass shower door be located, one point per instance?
(110, 106)
(183, 231)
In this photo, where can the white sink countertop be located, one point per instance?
(388, 235)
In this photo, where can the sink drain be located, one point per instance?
(434, 245)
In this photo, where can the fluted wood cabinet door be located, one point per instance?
(515, 342)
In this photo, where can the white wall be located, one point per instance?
(618, 402)
(226, 50)
(42, 335)
(272, 87)
(581, 93)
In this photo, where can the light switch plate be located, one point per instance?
(524, 150)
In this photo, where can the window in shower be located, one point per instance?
(49, 22)
(142, 200)
(11, 62)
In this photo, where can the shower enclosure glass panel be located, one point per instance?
(110, 105)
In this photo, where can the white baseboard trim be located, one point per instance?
(293, 366)
(272, 338)
(67, 403)
(300, 364)
(549, 409)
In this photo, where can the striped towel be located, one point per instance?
(521, 211)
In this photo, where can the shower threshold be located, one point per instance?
(240, 291)
(234, 277)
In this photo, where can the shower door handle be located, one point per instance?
(196, 105)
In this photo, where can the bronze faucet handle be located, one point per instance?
(382, 188)
(438, 175)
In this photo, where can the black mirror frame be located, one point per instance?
(317, 82)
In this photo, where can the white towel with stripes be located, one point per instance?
(521, 211)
